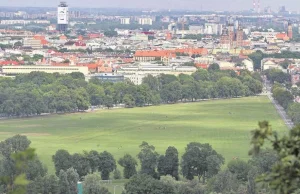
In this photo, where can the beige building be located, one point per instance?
(136, 73)
(14, 70)
(33, 43)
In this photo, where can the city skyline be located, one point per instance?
(231, 5)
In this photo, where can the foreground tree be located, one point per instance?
(168, 164)
(195, 163)
(92, 185)
(107, 164)
(142, 184)
(239, 168)
(224, 182)
(284, 175)
(62, 160)
(148, 158)
(129, 164)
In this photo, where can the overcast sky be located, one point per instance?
(293, 5)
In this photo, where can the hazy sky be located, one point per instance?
(293, 5)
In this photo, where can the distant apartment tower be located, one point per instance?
(125, 21)
(290, 30)
(62, 17)
(145, 21)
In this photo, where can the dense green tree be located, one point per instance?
(255, 86)
(142, 183)
(64, 185)
(108, 102)
(283, 96)
(110, 33)
(264, 160)
(35, 169)
(165, 79)
(256, 58)
(224, 182)
(94, 160)
(214, 67)
(171, 92)
(92, 185)
(152, 82)
(294, 112)
(168, 164)
(62, 161)
(96, 94)
(148, 158)
(276, 75)
(214, 164)
(48, 184)
(185, 79)
(194, 160)
(117, 174)
(73, 179)
(129, 164)
(284, 175)
(107, 164)
(129, 101)
(239, 168)
(201, 75)
(81, 164)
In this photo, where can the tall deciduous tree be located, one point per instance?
(129, 164)
(284, 175)
(107, 164)
(169, 163)
(194, 160)
(148, 158)
(92, 185)
(62, 160)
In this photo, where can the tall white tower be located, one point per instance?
(62, 17)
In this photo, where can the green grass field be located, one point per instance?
(225, 124)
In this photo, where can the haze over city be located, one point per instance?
(224, 5)
(156, 96)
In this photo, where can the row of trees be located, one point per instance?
(237, 177)
(199, 160)
(259, 55)
(279, 168)
(38, 92)
(285, 97)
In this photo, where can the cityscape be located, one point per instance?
(125, 99)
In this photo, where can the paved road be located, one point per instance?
(267, 86)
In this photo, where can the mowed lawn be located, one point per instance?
(225, 124)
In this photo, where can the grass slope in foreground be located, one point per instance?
(225, 124)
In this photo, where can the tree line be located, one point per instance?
(200, 171)
(257, 56)
(285, 97)
(37, 92)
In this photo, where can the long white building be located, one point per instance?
(136, 73)
(15, 70)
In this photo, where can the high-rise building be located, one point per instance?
(145, 21)
(125, 21)
(290, 30)
(62, 17)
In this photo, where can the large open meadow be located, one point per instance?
(225, 124)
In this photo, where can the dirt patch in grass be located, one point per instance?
(36, 134)
(4, 133)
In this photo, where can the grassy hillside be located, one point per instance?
(226, 124)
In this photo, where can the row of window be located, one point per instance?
(68, 69)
